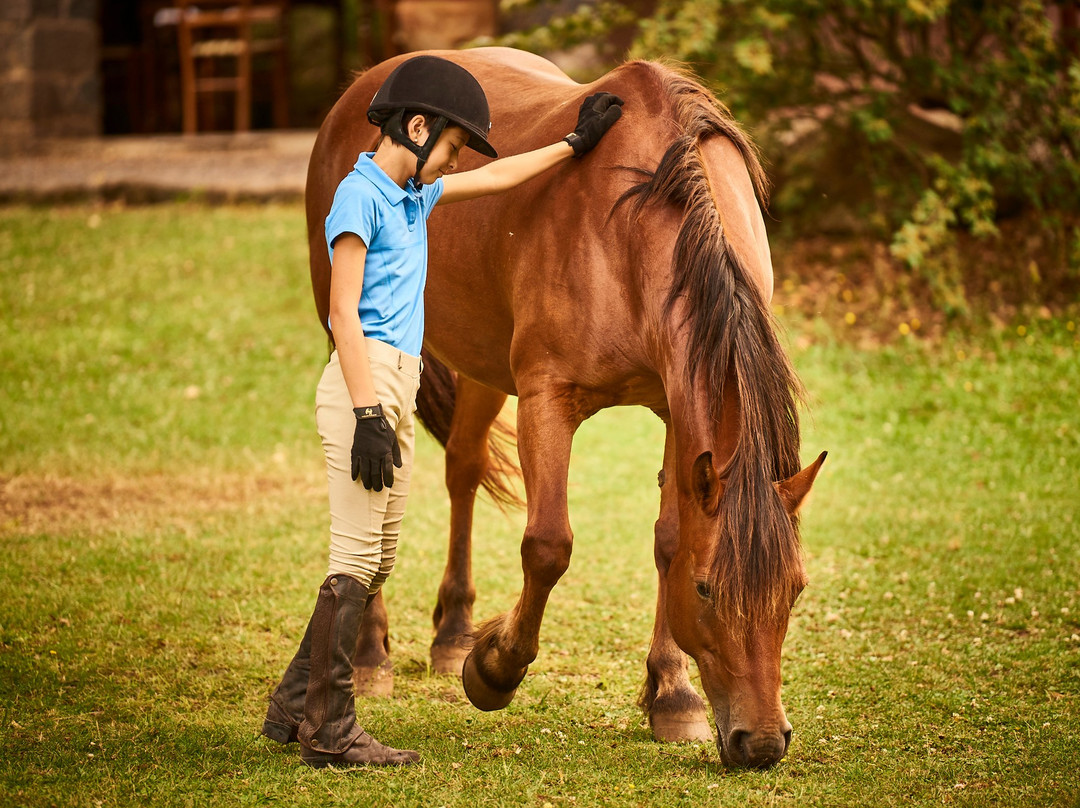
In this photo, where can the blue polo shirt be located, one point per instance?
(392, 222)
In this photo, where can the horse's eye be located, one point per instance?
(704, 591)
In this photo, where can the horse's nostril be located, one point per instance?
(737, 743)
(787, 739)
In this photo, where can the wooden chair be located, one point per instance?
(213, 33)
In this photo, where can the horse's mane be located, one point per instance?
(756, 569)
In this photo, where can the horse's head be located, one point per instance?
(730, 613)
(732, 396)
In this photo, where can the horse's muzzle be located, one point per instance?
(747, 749)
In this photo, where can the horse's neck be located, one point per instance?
(733, 193)
(691, 410)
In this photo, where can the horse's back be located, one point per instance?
(529, 97)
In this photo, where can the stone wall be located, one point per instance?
(49, 71)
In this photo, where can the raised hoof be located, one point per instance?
(482, 696)
(448, 659)
(374, 682)
(681, 728)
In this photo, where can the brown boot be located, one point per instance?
(329, 735)
(286, 709)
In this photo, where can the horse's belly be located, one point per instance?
(471, 342)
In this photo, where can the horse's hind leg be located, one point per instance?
(475, 409)
(676, 712)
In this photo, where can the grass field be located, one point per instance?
(162, 536)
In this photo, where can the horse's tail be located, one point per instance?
(435, 408)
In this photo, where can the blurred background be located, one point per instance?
(924, 151)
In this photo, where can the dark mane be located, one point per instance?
(756, 568)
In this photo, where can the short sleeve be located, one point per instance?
(431, 194)
(353, 211)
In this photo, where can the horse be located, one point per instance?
(637, 275)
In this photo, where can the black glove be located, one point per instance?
(597, 114)
(375, 449)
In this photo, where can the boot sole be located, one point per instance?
(316, 763)
(333, 761)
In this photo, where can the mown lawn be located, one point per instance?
(162, 535)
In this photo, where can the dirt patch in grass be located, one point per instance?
(46, 504)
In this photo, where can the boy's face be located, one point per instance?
(444, 157)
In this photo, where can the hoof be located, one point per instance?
(377, 682)
(448, 659)
(681, 727)
(482, 696)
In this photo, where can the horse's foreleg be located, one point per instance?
(475, 409)
(373, 673)
(675, 710)
(506, 645)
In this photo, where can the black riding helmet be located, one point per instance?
(438, 87)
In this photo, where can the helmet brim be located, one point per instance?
(478, 142)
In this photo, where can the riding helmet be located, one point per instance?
(438, 87)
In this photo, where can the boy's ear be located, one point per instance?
(415, 128)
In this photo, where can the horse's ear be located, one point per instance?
(706, 485)
(793, 490)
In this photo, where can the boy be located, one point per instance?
(428, 110)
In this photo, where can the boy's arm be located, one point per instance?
(598, 113)
(375, 449)
(346, 284)
(504, 174)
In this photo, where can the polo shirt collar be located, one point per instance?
(393, 192)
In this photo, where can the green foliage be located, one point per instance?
(976, 99)
(586, 23)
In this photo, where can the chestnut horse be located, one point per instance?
(639, 274)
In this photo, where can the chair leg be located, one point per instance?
(281, 86)
(243, 90)
(187, 82)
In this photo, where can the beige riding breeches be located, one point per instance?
(365, 525)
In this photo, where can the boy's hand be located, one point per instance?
(375, 449)
(597, 114)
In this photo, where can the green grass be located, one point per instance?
(148, 339)
(162, 535)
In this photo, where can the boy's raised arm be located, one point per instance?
(598, 113)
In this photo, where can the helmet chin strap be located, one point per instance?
(396, 130)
